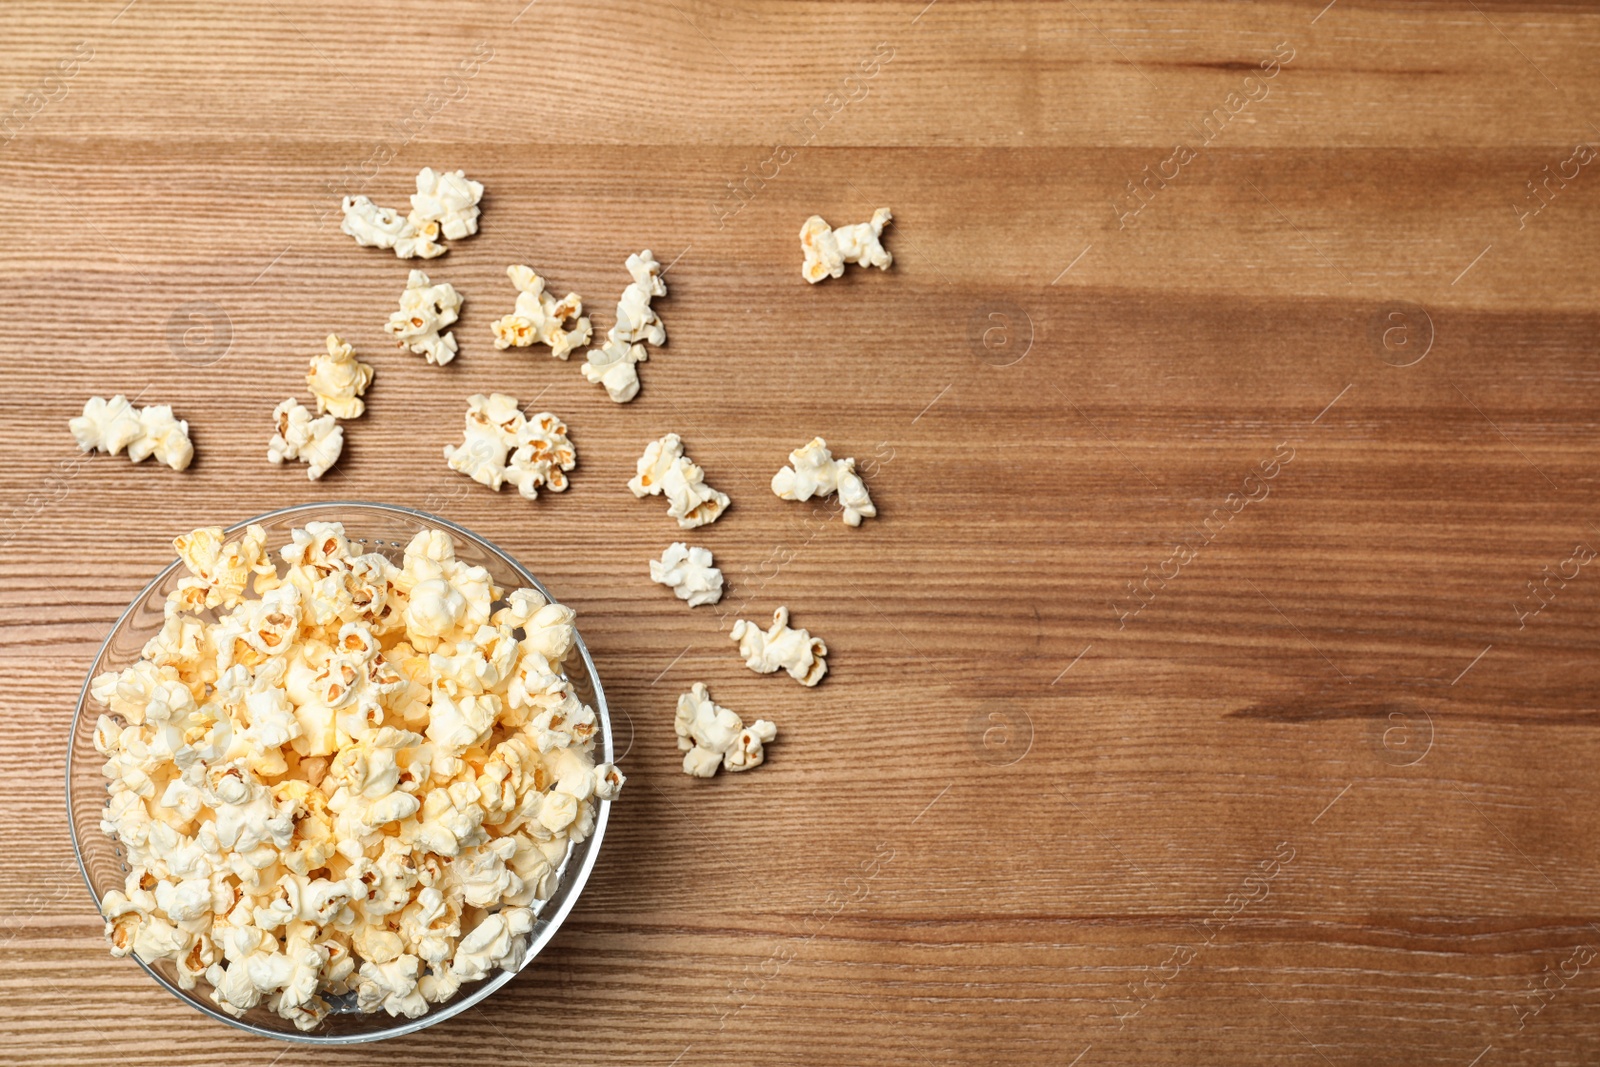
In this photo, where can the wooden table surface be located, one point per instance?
(1217, 684)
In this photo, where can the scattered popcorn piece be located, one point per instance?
(446, 202)
(828, 250)
(542, 457)
(338, 380)
(107, 425)
(448, 199)
(690, 500)
(709, 734)
(813, 471)
(165, 437)
(425, 309)
(113, 425)
(487, 440)
(539, 317)
(636, 321)
(317, 442)
(612, 364)
(359, 781)
(795, 651)
(379, 227)
(665, 469)
(651, 470)
(689, 573)
(501, 445)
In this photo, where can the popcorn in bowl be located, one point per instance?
(343, 783)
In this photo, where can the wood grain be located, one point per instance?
(1326, 797)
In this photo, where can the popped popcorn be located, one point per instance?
(665, 469)
(636, 321)
(449, 199)
(502, 445)
(813, 471)
(349, 778)
(107, 425)
(445, 203)
(710, 735)
(688, 572)
(113, 425)
(218, 571)
(338, 380)
(828, 250)
(165, 437)
(613, 363)
(315, 441)
(795, 651)
(540, 318)
(380, 227)
(426, 309)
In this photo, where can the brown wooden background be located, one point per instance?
(1335, 694)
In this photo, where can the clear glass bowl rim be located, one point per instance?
(573, 881)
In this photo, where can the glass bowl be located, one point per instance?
(381, 528)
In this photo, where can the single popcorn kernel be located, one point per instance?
(425, 311)
(341, 779)
(688, 573)
(539, 317)
(813, 471)
(828, 250)
(665, 469)
(710, 735)
(781, 648)
(317, 442)
(502, 445)
(338, 380)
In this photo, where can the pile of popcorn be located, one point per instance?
(347, 780)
